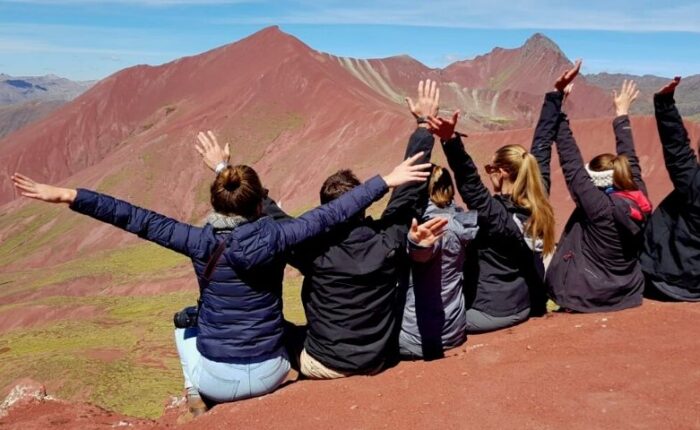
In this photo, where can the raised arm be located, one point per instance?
(585, 194)
(546, 129)
(268, 240)
(681, 161)
(149, 225)
(407, 201)
(623, 130)
(491, 214)
(545, 132)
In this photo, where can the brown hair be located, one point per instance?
(338, 184)
(529, 192)
(440, 187)
(237, 191)
(620, 165)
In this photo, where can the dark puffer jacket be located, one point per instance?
(671, 257)
(241, 312)
(596, 265)
(504, 275)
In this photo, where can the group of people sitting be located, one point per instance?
(415, 282)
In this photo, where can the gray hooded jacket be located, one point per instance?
(434, 317)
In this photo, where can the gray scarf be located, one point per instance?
(224, 222)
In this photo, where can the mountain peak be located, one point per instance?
(539, 41)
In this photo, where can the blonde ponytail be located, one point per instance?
(529, 192)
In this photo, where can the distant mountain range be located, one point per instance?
(29, 98)
(688, 99)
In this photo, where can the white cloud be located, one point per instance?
(621, 15)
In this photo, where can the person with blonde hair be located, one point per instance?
(504, 278)
(596, 266)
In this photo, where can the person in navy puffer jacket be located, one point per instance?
(238, 351)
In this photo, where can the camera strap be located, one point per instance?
(213, 259)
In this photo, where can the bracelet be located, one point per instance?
(422, 120)
(220, 167)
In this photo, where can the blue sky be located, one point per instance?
(90, 39)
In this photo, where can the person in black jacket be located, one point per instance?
(596, 265)
(237, 350)
(504, 280)
(671, 256)
(353, 277)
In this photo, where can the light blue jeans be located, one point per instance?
(226, 382)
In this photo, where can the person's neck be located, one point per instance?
(506, 188)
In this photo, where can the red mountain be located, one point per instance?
(293, 113)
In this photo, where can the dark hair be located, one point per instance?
(440, 187)
(338, 184)
(237, 191)
(620, 165)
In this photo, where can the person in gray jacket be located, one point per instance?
(434, 318)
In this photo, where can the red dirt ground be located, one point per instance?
(638, 368)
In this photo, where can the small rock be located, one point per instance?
(353, 407)
(25, 391)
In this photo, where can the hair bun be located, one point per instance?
(231, 178)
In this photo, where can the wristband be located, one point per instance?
(220, 167)
(422, 120)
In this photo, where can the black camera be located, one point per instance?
(186, 318)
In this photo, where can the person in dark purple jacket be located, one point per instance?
(596, 266)
(238, 349)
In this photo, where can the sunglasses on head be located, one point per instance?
(490, 168)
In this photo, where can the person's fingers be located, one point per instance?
(431, 222)
(199, 149)
(577, 65)
(212, 136)
(410, 160)
(410, 104)
(455, 116)
(414, 225)
(227, 151)
(436, 100)
(25, 178)
(420, 167)
(431, 93)
(614, 93)
(635, 95)
(420, 89)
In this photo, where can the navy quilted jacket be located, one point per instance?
(241, 313)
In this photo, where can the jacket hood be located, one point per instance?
(632, 208)
(463, 223)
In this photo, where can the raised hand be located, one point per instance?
(628, 94)
(46, 193)
(211, 152)
(567, 77)
(670, 88)
(567, 91)
(443, 128)
(427, 233)
(407, 172)
(428, 100)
